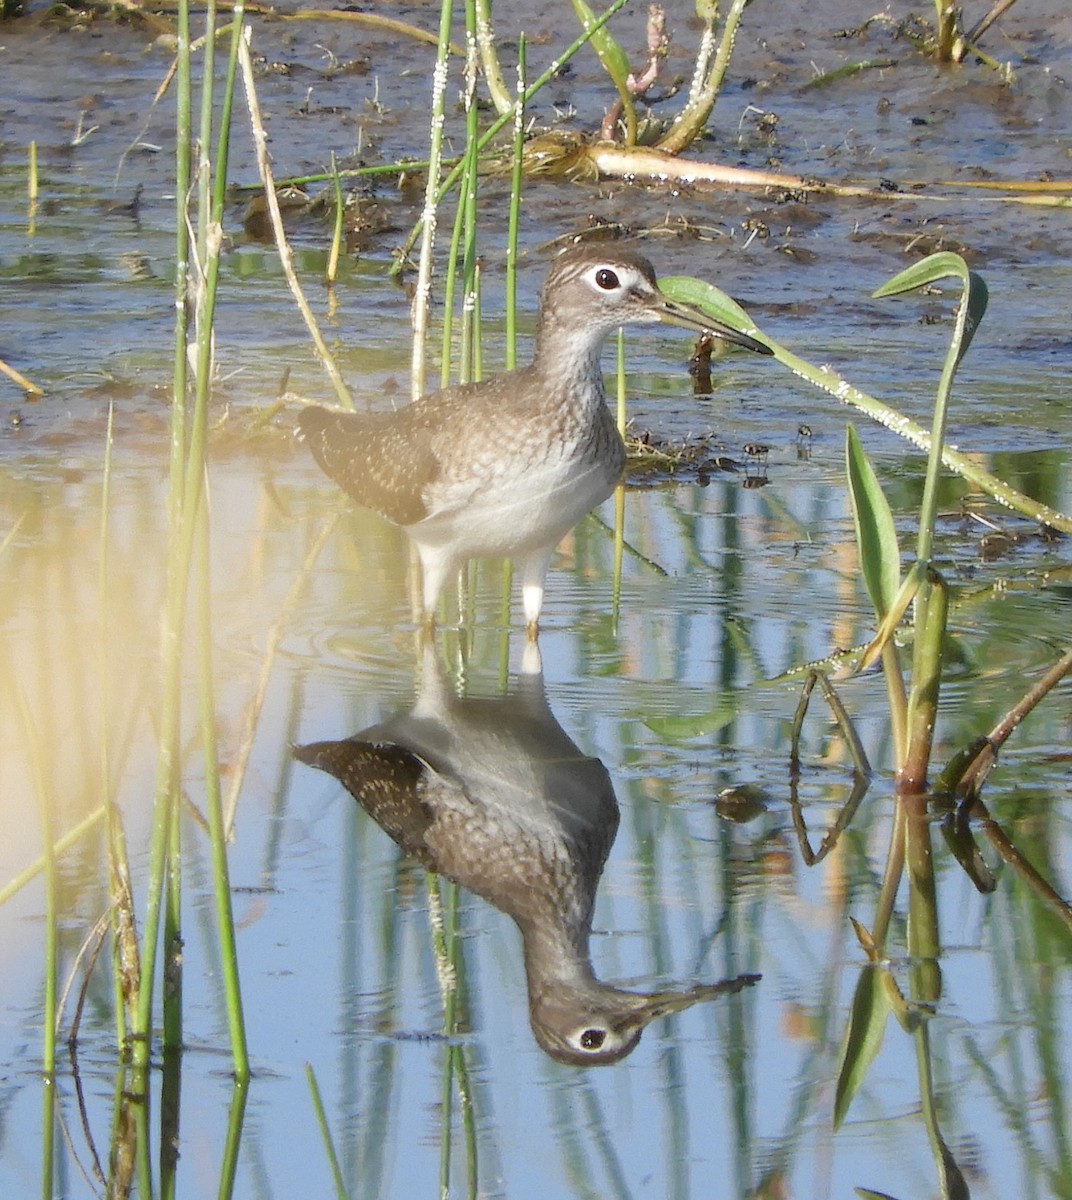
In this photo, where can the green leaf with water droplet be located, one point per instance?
(876, 535)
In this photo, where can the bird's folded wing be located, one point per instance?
(383, 463)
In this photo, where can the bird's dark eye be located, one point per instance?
(606, 279)
(592, 1039)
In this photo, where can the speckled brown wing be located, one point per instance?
(388, 781)
(383, 460)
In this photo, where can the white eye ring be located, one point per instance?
(606, 280)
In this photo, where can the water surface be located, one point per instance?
(683, 686)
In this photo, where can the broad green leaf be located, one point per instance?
(611, 55)
(686, 289)
(876, 537)
(863, 1038)
(683, 729)
(944, 265)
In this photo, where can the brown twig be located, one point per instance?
(260, 141)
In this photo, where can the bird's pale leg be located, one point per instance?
(533, 573)
(436, 568)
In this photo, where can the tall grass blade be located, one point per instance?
(126, 966)
(235, 1118)
(514, 220)
(686, 289)
(165, 801)
(452, 176)
(434, 192)
(325, 1133)
(220, 873)
(906, 594)
(63, 843)
(43, 793)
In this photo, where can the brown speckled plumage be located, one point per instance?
(507, 466)
(495, 795)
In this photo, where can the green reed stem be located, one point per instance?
(442, 942)
(220, 874)
(142, 1141)
(924, 946)
(489, 59)
(891, 878)
(514, 217)
(125, 956)
(432, 195)
(336, 233)
(169, 1121)
(932, 606)
(31, 738)
(456, 171)
(471, 356)
(963, 464)
(707, 81)
(32, 184)
(48, 1139)
(172, 947)
(325, 1132)
(165, 800)
(204, 166)
(209, 238)
(217, 826)
(63, 843)
(619, 492)
(450, 289)
(233, 1142)
(465, 1097)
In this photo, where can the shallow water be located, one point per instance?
(683, 687)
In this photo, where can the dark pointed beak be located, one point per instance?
(662, 1004)
(672, 313)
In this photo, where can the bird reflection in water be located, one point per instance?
(493, 794)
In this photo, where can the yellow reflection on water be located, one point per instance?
(81, 634)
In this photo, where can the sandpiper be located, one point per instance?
(505, 468)
(494, 794)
